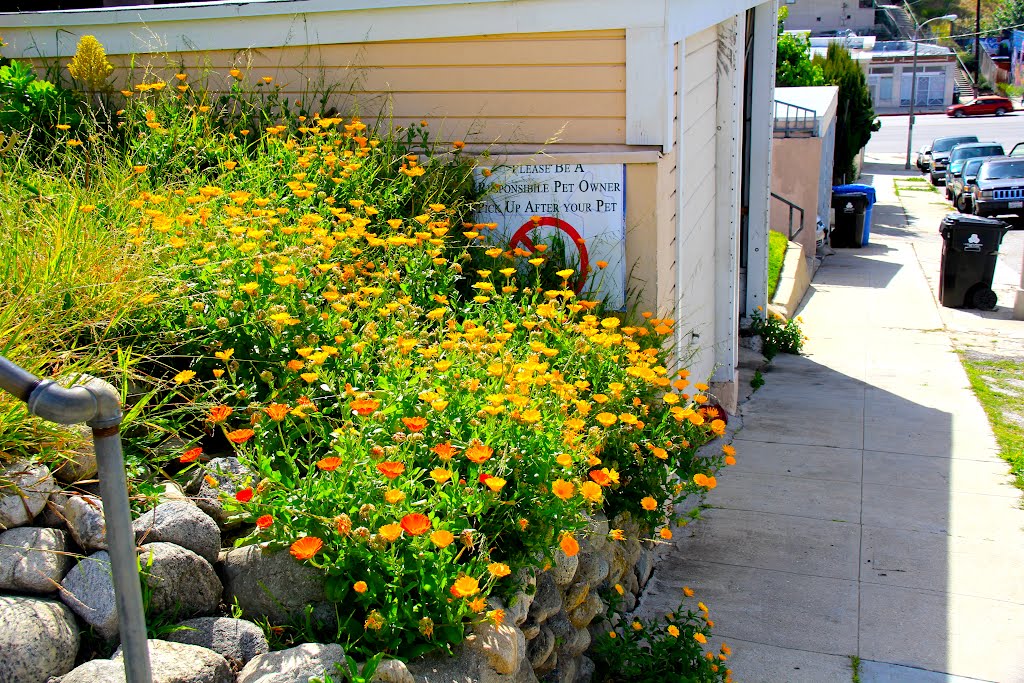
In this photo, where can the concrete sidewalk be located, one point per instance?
(870, 513)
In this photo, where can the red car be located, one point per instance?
(988, 104)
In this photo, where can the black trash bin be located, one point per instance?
(849, 228)
(970, 248)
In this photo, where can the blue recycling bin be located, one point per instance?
(858, 188)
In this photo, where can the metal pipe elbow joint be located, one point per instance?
(95, 403)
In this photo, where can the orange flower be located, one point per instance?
(440, 475)
(306, 547)
(329, 464)
(416, 524)
(606, 419)
(414, 424)
(495, 483)
(277, 411)
(601, 477)
(591, 491)
(728, 450)
(240, 435)
(666, 533)
(391, 469)
(730, 460)
(191, 455)
(243, 495)
(445, 451)
(264, 522)
(390, 532)
(649, 503)
(364, 406)
(359, 587)
(464, 587)
(442, 538)
(687, 591)
(569, 545)
(219, 414)
(498, 569)
(700, 638)
(394, 496)
(562, 489)
(479, 453)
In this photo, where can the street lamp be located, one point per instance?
(913, 77)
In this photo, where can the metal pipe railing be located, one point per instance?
(98, 405)
(792, 207)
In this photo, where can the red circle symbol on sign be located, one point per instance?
(522, 236)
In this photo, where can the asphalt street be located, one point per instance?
(892, 138)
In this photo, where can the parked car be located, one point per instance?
(1000, 187)
(969, 150)
(940, 154)
(924, 158)
(980, 106)
(964, 181)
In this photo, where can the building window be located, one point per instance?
(881, 88)
(931, 89)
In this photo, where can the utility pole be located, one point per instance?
(977, 44)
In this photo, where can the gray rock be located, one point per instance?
(179, 580)
(572, 641)
(183, 524)
(78, 461)
(24, 490)
(564, 568)
(273, 585)
(38, 639)
(566, 671)
(518, 607)
(576, 594)
(32, 560)
(503, 647)
(392, 671)
(587, 669)
(296, 665)
(548, 665)
(585, 613)
(170, 662)
(88, 589)
(530, 629)
(52, 515)
(237, 640)
(540, 648)
(170, 492)
(466, 666)
(595, 539)
(593, 569)
(231, 475)
(547, 600)
(84, 515)
(644, 567)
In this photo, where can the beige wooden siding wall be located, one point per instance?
(668, 209)
(545, 89)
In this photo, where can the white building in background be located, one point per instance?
(830, 15)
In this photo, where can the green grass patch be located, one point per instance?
(998, 384)
(776, 254)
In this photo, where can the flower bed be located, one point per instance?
(343, 366)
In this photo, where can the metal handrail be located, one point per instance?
(792, 207)
(98, 405)
(795, 119)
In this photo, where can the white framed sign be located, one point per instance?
(585, 202)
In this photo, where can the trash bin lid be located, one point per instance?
(972, 233)
(852, 188)
(967, 220)
(851, 202)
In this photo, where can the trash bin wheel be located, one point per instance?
(983, 298)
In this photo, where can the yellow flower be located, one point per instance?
(390, 532)
(619, 589)
(440, 475)
(637, 626)
(562, 489)
(673, 630)
(606, 419)
(591, 491)
(700, 638)
(687, 591)
(184, 377)
(499, 569)
(90, 65)
(530, 416)
(394, 496)
(309, 377)
(442, 538)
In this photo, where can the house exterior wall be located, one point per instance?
(793, 163)
(830, 15)
(936, 82)
(598, 81)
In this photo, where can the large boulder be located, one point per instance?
(273, 585)
(295, 665)
(237, 640)
(33, 560)
(183, 524)
(88, 589)
(170, 662)
(85, 520)
(24, 490)
(38, 639)
(78, 456)
(503, 646)
(468, 665)
(179, 580)
(547, 600)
